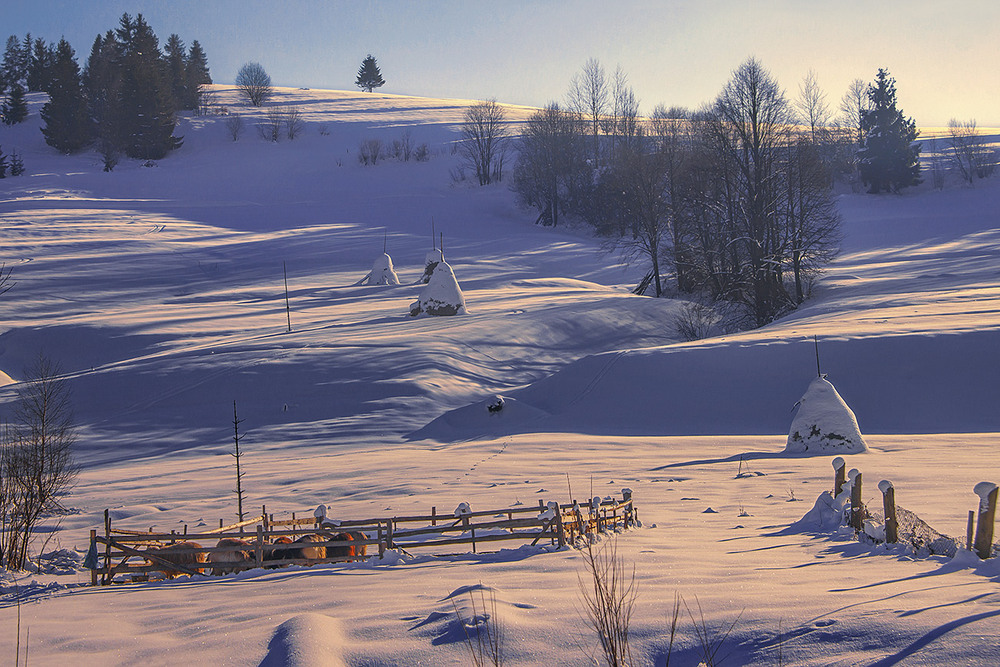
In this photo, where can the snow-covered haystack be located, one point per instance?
(382, 272)
(824, 423)
(442, 296)
(431, 260)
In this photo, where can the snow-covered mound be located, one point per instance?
(824, 424)
(306, 640)
(442, 296)
(382, 272)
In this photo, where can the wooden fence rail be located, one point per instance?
(127, 552)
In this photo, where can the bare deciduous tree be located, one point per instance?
(36, 459)
(588, 96)
(370, 151)
(254, 84)
(5, 281)
(292, 120)
(853, 107)
(484, 141)
(812, 107)
(234, 125)
(969, 151)
(609, 594)
(269, 129)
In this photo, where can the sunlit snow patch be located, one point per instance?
(824, 423)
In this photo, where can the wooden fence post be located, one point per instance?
(987, 492)
(388, 533)
(839, 475)
(627, 498)
(889, 506)
(560, 530)
(106, 580)
(259, 551)
(93, 544)
(857, 506)
(434, 512)
(969, 530)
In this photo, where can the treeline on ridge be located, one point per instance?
(125, 98)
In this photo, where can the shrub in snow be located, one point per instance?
(382, 272)
(442, 296)
(495, 405)
(431, 260)
(824, 423)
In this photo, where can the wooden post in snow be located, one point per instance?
(434, 511)
(259, 547)
(107, 548)
(839, 475)
(987, 492)
(93, 543)
(288, 307)
(857, 506)
(970, 530)
(889, 506)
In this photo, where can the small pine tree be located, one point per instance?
(369, 76)
(3, 164)
(888, 159)
(15, 108)
(16, 164)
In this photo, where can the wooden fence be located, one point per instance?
(979, 529)
(122, 552)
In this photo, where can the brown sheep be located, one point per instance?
(185, 554)
(310, 552)
(358, 551)
(230, 561)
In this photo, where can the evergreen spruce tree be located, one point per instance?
(197, 74)
(888, 159)
(3, 164)
(38, 66)
(175, 56)
(369, 76)
(67, 128)
(10, 69)
(102, 80)
(15, 108)
(147, 103)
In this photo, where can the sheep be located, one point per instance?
(230, 561)
(185, 554)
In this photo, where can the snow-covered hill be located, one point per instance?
(160, 291)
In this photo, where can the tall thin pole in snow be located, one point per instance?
(441, 245)
(288, 308)
(816, 343)
(433, 237)
(385, 241)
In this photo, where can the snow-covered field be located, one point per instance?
(160, 291)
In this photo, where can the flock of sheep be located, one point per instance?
(233, 554)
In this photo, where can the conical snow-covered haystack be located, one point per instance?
(824, 423)
(431, 260)
(382, 272)
(442, 296)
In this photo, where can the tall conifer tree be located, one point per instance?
(369, 76)
(67, 128)
(888, 159)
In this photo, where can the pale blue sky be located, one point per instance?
(943, 54)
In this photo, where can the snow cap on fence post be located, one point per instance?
(463, 509)
(320, 512)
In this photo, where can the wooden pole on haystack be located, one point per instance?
(288, 307)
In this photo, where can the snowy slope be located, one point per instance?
(160, 291)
